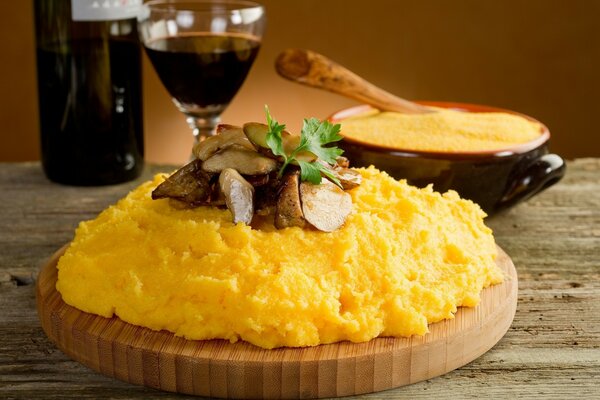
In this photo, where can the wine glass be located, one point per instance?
(202, 51)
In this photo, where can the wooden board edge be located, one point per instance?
(287, 374)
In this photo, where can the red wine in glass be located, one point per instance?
(202, 51)
(201, 70)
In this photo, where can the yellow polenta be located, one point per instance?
(443, 131)
(404, 257)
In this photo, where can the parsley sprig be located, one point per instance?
(314, 137)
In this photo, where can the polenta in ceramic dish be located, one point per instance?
(445, 130)
(495, 157)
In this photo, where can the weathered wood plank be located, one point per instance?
(551, 351)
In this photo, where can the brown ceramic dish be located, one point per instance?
(496, 180)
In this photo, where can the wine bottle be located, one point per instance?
(90, 90)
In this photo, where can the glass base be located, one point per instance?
(202, 120)
(203, 127)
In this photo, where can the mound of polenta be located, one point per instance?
(405, 257)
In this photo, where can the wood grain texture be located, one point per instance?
(313, 69)
(551, 351)
(217, 368)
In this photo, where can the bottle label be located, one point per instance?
(104, 10)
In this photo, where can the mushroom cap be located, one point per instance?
(239, 195)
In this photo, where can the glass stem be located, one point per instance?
(203, 127)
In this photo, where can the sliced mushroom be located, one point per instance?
(189, 184)
(265, 198)
(227, 135)
(222, 128)
(257, 134)
(217, 198)
(349, 178)
(325, 206)
(258, 180)
(239, 195)
(289, 208)
(247, 162)
(342, 162)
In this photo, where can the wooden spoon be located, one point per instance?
(316, 70)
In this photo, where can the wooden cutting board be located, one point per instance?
(218, 368)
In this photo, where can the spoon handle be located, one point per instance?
(316, 70)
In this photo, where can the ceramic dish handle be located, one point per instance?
(542, 173)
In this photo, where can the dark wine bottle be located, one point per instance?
(90, 90)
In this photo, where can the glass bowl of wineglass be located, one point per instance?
(202, 51)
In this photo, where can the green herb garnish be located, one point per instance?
(314, 137)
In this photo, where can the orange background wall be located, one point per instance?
(540, 57)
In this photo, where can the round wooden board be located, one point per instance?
(218, 368)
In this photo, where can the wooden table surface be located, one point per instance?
(552, 349)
